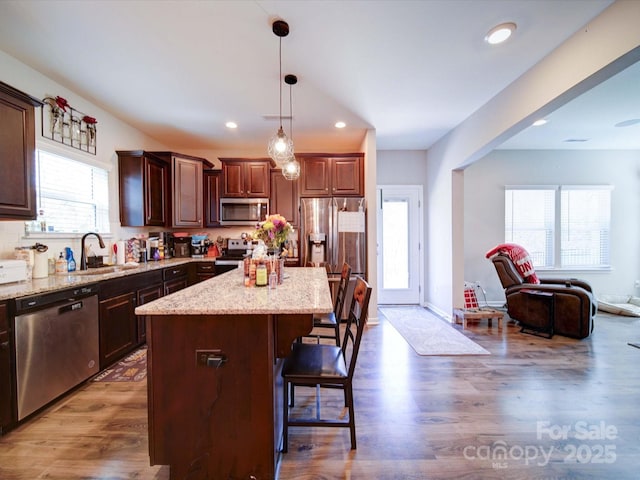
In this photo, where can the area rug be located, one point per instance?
(131, 369)
(428, 334)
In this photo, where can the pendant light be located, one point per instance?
(280, 147)
(291, 166)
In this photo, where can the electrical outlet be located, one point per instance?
(637, 284)
(210, 358)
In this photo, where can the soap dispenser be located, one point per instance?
(61, 264)
(71, 263)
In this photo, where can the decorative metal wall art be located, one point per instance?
(64, 124)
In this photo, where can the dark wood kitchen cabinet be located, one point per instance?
(326, 175)
(146, 295)
(7, 411)
(17, 152)
(245, 178)
(175, 278)
(160, 189)
(285, 197)
(205, 271)
(144, 189)
(187, 191)
(212, 179)
(118, 328)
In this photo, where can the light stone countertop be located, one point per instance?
(86, 277)
(306, 290)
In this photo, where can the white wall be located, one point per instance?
(484, 183)
(610, 43)
(113, 135)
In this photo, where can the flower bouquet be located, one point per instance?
(274, 231)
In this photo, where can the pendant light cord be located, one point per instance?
(280, 80)
(290, 114)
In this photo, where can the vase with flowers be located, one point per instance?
(274, 231)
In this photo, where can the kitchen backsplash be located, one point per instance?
(12, 235)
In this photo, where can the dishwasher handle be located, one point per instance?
(71, 307)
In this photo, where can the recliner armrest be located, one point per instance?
(568, 282)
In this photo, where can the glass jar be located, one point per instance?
(261, 275)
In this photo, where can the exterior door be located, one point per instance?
(400, 234)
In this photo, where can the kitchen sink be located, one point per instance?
(104, 270)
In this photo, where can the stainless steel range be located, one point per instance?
(236, 251)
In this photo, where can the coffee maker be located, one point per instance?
(182, 246)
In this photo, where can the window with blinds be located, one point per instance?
(560, 226)
(73, 197)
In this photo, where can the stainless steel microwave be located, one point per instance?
(243, 211)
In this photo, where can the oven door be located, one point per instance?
(243, 211)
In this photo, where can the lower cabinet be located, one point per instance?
(118, 328)
(175, 278)
(147, 295)
(7, 416)
(205, 270)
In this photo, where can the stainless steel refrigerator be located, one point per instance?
(333, 231)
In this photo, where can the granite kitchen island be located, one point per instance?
(215, 351)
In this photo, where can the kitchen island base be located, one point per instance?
(215, 392)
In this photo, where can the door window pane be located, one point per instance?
(395, 241)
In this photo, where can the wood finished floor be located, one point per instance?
(417, 417)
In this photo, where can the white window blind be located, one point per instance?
(530, 221)
(585, 226)
(560, 226)
(72, 196)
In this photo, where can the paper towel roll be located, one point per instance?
(120, 252)
(41, 265)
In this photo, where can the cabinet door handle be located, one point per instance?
(4, 345)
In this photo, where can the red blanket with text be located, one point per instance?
(521, 259)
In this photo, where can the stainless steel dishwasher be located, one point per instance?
(57, 345)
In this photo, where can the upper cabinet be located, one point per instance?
(325, 175)
(188, 201)
(144, 189)
(285, 197)
(163, 189)
(17, 153)
(245, 178)
(212, 197)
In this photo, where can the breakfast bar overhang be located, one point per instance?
(215, 351)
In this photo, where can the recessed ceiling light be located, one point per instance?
(231, 125)
(539, 123)
(500, 33)
(340, 125)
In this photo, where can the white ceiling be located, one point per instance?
(178, 70)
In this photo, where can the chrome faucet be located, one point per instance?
(83, 255)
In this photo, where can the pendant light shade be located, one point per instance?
(291, 166)
(280, 147)
(291, 169)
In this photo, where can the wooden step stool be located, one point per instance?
(461, 315)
